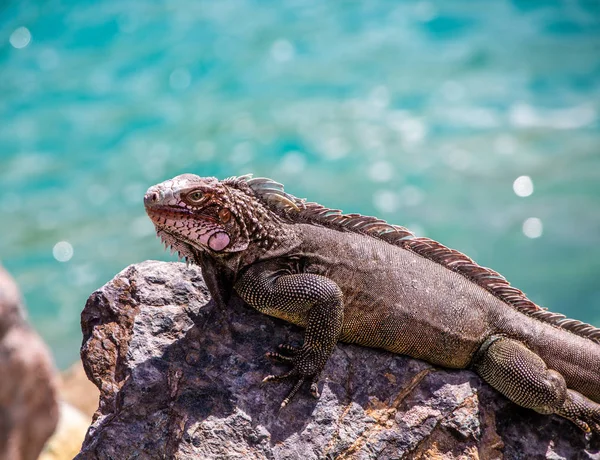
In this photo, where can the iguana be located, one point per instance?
(358, 279)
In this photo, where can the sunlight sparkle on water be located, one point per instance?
(335, 148)
(385, 201)
(242, 153)
(62, 251)
(380, 97)
(293, 163)
(411, 196)
(180, 78)
(523, 186)
(413, 131)
(20, 38)
(282, 50)
(533, 227)
(381, 171)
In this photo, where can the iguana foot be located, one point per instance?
(299, 363)
(582, 411)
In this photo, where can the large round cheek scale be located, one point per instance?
(218, 241)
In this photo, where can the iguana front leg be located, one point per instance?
(308, 300)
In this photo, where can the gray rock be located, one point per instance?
(28, 405)
(176, 387)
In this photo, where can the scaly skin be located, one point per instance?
(359, 280)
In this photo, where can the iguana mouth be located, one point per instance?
(162, 212)
(177, 243)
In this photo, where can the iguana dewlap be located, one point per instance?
(361, 280)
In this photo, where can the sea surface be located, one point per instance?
(473, 123)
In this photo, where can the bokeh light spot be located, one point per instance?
(411, 196)
(533, 227)
(282, 51)
(242, 154)
(20, 38)
(380, 97)
(386, 201)
(62, 251)
(180, 78)
(413, 131)
(293, 163)
(381, 171)
(523, 186)
(335, 148)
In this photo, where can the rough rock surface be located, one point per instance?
(28, 406)
(173, 387)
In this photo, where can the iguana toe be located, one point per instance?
(285, 354)
(293, 392)
(582, 412)
(289, 349)
(280, 377)
(295, 389)
(279, 357)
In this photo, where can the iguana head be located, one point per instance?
(193, 213)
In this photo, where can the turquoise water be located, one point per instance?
(423, 113)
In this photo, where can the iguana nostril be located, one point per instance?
(151, 197)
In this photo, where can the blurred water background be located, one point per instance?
(474, 123)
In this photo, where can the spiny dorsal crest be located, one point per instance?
(260, 223)
(295, 210)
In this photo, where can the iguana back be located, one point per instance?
(401, 301)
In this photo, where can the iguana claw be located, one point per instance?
(292, 393)
(314, 389)
(279, 378)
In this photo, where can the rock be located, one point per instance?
(173, 387)
(28, 407)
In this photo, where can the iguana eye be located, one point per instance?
(225, 215)
(195, 196)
